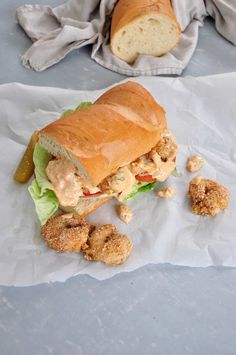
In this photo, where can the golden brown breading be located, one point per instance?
(107, 245)
(208, 196)
(66, 232)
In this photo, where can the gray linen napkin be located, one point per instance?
(224, 13)
(57, 31)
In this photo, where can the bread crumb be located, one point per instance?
(208, 196)
(194, 163)
(168, 192)
(124, 213)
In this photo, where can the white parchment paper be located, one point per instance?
(201, 113)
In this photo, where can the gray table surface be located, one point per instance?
(158, 309)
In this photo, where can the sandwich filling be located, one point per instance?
(67, 184)
(154, 166)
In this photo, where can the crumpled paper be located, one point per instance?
(201, 113)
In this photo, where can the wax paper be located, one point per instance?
(201, 113)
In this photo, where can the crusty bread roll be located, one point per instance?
(143, 27)
(123, 124)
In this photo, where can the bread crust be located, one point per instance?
(123, 124)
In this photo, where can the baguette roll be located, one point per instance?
(143, 27)
(108, 149)
(123, 124)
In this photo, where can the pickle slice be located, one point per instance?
(25, 168)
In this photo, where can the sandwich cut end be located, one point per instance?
(59, 151)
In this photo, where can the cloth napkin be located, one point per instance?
(224, 13)
(77, 23)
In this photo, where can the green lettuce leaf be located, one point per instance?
(83, 105)
(67, 112)
(46, 204)
(41, 190)
(41, 159)
(140, 188)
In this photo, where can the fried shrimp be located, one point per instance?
(70, 233)
(107, 245)
(66, 233)
(208, 196)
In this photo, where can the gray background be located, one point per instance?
(158, 309)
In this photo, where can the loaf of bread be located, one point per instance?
(143, 27)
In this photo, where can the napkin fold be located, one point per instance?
(224, 13)
(77, 23)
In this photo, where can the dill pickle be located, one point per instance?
(25, 168)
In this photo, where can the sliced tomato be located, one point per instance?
(145, 178)
(87, 194)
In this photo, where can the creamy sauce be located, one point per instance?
(66, 184)
(155, 167)
(168, 192)
(124, 213)
(87, 188)
(153, 164)
(143, 165)
(194, 163)
(159, 163)
(162, 169)
(122, 182)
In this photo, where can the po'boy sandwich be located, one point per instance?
(116, 147)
